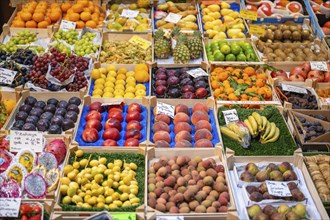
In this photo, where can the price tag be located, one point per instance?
(9, 207)
(129, 13)
(280, 189)
(230, 116)
(257, 30)
(144, 44)
(197, 72)
(67, 25)
(26, 139)
(173, 18)
(319, 65)
(327, 100)
(250, 15)
(295, 89)
(169, 217)
(7, 76)
(166, 109)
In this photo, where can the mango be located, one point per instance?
(207, 18)
(214, 7)
(234, 14)
(225, 5)
(187, 25)
(211, 33)
(238, 26)
(217, 22)
(233, 32)
(239, 35)
(215, 15)
(208, 25)
(160, 23)
(225, 12)
(220, 28)
(220, 35)
(191, 18)
(227, 19)
(206, 11)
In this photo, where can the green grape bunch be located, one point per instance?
(62, 47)
(85, 45)
(70, 36)
(23, 38)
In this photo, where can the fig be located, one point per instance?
(276, 175)
(256, 196)
(269, 210)
(284, 167)
(270, 167)
(246, 177)
(262, 176)
(289, 175)
(254, 210)
(252, 168)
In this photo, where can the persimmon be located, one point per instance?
(26, 16)
(85, 16)
(215, 84)
(18, 23)
(31, 24)
(55, 16)
(43, 24)
(74, 17)
(38, 17)
(91, 24)
(222, 76)
(232, 97)
(80, 24)
(260, 82)
(249, 71)
(229, 90)
(77, 8)
(65, 6)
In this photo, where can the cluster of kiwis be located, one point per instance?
(292, 52)
(286, 33)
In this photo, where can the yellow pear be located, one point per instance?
(207, 18)
(214, 7)
(220, 35)
(211, 33)
(215, 15)
(226, 11)
(225, 5)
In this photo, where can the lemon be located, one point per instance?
(95, 74)
(99, 81)
(108, 95)
(111, 79)
(130, 78)
(96, 96)
(99, 86)
(103, 70)
(108, 89)
(140, 86)
(97, 92)
(112, 73)
(130, 73)
(109, 84)
(119, 92)
(111, 68)
(120, 81)
(129, 95)
(119, 87)
(131, 83)
(130, 89)
(103, 76)
(122, 70)
(141, 67)
(140, 92)
(121, 76)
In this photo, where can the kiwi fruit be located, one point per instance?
(296, 36)
(278, 35)
(287, 35)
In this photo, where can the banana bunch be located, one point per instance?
(259, 125)
(239, 132)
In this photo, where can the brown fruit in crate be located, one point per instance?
(220, 187)
(292, 216)
(162, 117)
(254, 210)
(246, 177)
(289, 175)
(203, 143)
(297, 195)
(262, 176)
(200, 107)
(276, 175)
(284, 167)
(251, 189)
(263, 188)
(252, 168)
(160, 126)
(199, 115)
(269, 210)
(203, 134)
(292, 185)
(182, 108)
(162, 135)
(200, 209)
(256, 196)
(160, 207)
(270, 167)
(183, 135)
(184, 209)
(181, 117)
(260, 216)
(183, 144)
(182, 126)
(203, 124)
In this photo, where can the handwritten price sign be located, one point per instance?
(173, 18)
(7, 76)
(280, 189)
(197, 72)
(144, 44)
(230, 116)
(26, 139)
(166, 109)
(250, 15)
(67, 25)
(9, 207)
(295, 89)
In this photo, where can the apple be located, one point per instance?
(134, 115)
(133, 133)
(296, 78)
(133, 124)
(298, 70)
(90, 135)
(201, 93)
(134, 107)
(116, 114)
(113, 123)
(109, 143)
(327, 76)
(96, 106)
(283, 78)
(132, 142)
(294, 7)
(266, 9)
(94, 123)
(306, 66)
(111, 133)
(93, 115)
(315, 74)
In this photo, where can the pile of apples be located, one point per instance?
(301, 73)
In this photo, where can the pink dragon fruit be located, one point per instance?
(10, 189)
(35, 186)
(58, 148)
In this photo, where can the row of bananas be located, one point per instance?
(237, 131)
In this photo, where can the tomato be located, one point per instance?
(36, 209)
(25, 209)
(36, 217)
(24, 217)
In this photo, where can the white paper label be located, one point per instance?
(129, 13)
(173, 43)
(170, 218)
(173, 18)
(295, 89)
(327, 100)
(26, 139)
(112, 103)
(280, 189)
(67, 25)
(7, 76)
(230, 115)
(319, 65)
(197, 72)
(166, 109)
(9, 207)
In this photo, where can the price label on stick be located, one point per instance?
(250, 15)
(9, 207)
(144, 44)
(67, 25)
(129, 13)
(26, 139)
(7, 76)
(280, 189)
(295, 89)
(173, 18)
(197, 72)
(230, 115)
(163, 108)
(319, 65)
(257, 30)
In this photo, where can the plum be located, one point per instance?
(18, 124)
(73, 107)
(21, 116)
(161, 90)
(161, 83)
(67, 124)
(188, 95)
(184, 70)
(173, 81)
(62, 104)
(60, 111)
(54, 129)
(25, 108)
(52, 101)
(29, 127)
(200, 78)
(42, 125)
(32, 119)
(174, 93)
(200, 84)
(187, 88)
(172, 73)
(184, 75)
(30, 100)
(57, 120)
(186, 81)
(161, 76)
(36, 111)
(71, 115)
(75, 100)
(40, 104)
(50, 108)
(46, 115)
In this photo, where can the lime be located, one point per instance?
(222, 41)
(246, 46)
(241, 43)
(216, 51)
(225, 49)
(235, 49)
(241, 57)
(219, 56)
(211, 58)
(230, 57)
(249, 51)
(251, 57)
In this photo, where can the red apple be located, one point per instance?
(133, 124)
(132, 142)
(296, 78)
(116, 107)
(133, 133)
(315, 74)
(93, 115)
(134, 107)
(90, 135)
(109, 143)
(116, 114)
(306, 66)
(134, 115)
(96, 106)
(201, 93)
(111, 133)
(283, 78)
(327, 76)
(298, 70)
(94, 123)
(113, 123)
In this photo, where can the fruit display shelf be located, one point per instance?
(163, 133)
(98, 138)
(273, 114)
(180, 157)
(136, 156)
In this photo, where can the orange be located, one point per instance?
(91, 24)
(58, 10)
(65, 6)
(31, 24)
(49, 21)
(30, 9)
(54, 5)
(80, 24)
(77, 8)
(70, 11)
(18, 23)
(43, 24)
(74, 17)
(85, 16)
(38, 17)
(87, 10)
(55, 16)
(83, 2)
(91, 8)
(26, 16)
(40, 10)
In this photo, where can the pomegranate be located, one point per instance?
(279, 73)
(58, 148)
(296, 78)
(315, 74)
(306, 66)
(298, 70)
(327, 76)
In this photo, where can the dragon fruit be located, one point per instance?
(35, 186)
(52, 179)
(48, 160)
(58, 148)
(10, 189)
(5, 160)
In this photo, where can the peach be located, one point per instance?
(182, 126)
(203, 124)
(162, 135)
(160, 126)
(201, 107)
(183, 144)
(183, 135)
(162, 144)
(181, 117)
(199, 115)
(164, 118)
(203, 134)
(181, 108)
(203, 143)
